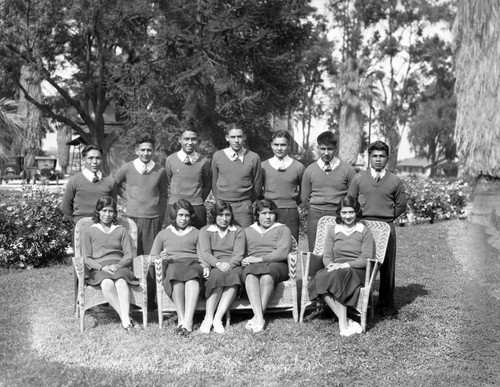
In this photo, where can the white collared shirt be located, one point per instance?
(333, 164)
(358, 228)
(180, 232)
(257, 228)
(222, 234)
(374, 173)
(141, 167)
(275, 162)
(233, 155)
(192, 157)
(111, 228)
(90, 175)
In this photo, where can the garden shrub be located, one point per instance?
(33, 232)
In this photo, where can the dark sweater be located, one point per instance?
(190, 182)
(323, 190)
(384, 200)
(81, 195)
(235, 180)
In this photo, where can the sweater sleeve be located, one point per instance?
(367, 250)
(238, 248)
(120, 180)
(399, 200)
(257, 179)
(354, 187)
(163, 188)
(215, 175)
(207, 258)
(305, 192)
(328, 256)
(126, 249)
(206, 177)
(300, 174)
(157, 244)
(87, 251)
(283, 247)
(68, 200)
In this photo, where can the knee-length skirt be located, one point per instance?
(277, 270)
(220, 278)
(182, 270)
(343, 284)
(97, 276)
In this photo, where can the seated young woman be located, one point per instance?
(107, 252)
(177, 244)
(348, 246)
(265, 265)
(221, 245)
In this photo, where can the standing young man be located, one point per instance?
(282, 177)
(84, 188)
(189, 176)
(143, 183)
(324, 183)
(237, 175)
(382, 197)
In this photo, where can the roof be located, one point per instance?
(415, 162)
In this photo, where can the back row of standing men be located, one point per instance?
(237, 176)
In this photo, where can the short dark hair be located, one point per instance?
(143, 139)
(217, 208)
(265, 203)
(282, 134)
(378, 146)
(104, 201)
(349, 201)
(189, 129)
(234, 125)
(181, 204)
(327, 138)
(88, 148)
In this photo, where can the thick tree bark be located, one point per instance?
(63, 136)
(350, 133)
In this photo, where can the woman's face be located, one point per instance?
(182, 219)
(266, 218)
(348, 216)
(223, 219)
(106, 215)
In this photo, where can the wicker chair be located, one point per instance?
(90, 296)
(283, 299)
(312, 262)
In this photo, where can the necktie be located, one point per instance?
(281, 165)
(378, 175)
(187, 161)
(327, 168)
(144, 169)
(95, 179)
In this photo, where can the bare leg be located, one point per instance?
(339, 310)
(179, 301)
(227, 298)
(252, 284)
(212, 302)
(192, 292)
(123, 292)
(266, 290)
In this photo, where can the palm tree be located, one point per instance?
(477, 42)
(10, 125)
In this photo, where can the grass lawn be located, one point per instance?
(447, 332)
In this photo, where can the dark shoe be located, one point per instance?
(387, 312)
(129, 328)
(182, 331)
(135, 324)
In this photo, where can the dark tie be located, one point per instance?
(281, 165)
(187, 161)
(378, 176)
(327, 168)
(95, 179)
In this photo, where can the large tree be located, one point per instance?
(11, 125)
(477, 40)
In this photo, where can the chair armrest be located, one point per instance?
(79, 269)
(158, 262)
(140, 267)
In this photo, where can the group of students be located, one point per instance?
(238, 180)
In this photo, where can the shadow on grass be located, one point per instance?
(407, 294)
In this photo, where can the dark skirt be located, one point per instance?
(342, 284)
(181, 270)
(277, 270)
(219, 279)
(97, 276)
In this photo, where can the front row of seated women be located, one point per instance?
(225, 260)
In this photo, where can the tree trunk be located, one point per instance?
(350, 133)
(63, 136)
(393, 140)
(31, 142)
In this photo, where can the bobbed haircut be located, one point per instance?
(146, 138)
(233, 125)
(349, 201)
(378, 146)
(327, 138)
(181, 204)
(263, 204)
(104, 201)
(282, 134)
(217, 208)
(89, 148)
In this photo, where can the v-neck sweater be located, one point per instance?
(282, 186)
(355, 248)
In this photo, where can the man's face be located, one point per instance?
(280, 147)
(378, 160)
(326, 152)
(188, 141)
(93, 161)
(145, 152)
(235, 138)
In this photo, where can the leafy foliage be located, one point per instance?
(33, 232)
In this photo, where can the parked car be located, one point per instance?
(46, 170)
(12, 168)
